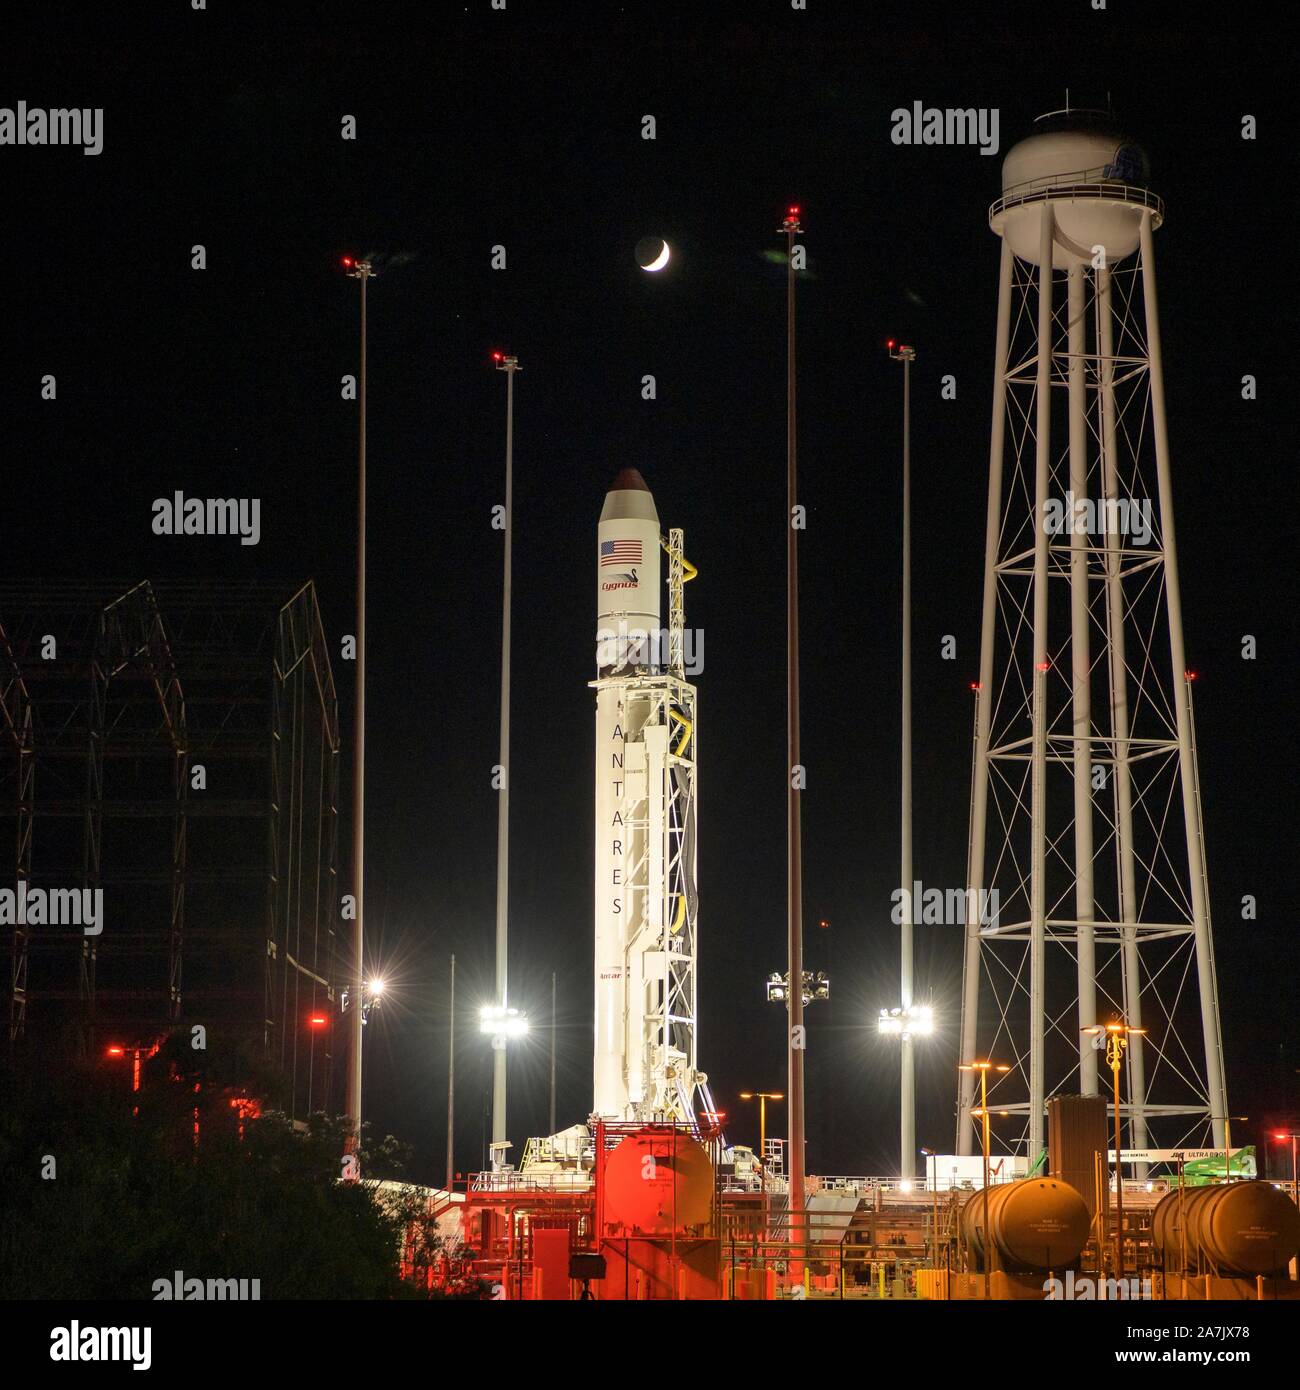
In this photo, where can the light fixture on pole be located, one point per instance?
(371, 994)
(502, 1024)
(816, 988)
(915, 1021)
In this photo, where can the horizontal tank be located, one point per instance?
(657, 1181)
(1238, 1228)
(1036, 1223)
(1095, 180)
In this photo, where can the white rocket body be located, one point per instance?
(628, 626)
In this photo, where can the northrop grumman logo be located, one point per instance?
(35, 125)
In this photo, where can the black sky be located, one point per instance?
(523, 128)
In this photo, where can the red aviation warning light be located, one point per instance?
(318, 1020)
(115, 1050)
(348, 262)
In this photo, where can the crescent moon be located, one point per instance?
(659, 261)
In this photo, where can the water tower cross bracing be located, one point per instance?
(1085, 814)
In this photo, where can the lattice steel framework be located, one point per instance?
(220, 903)
(659, 811)
(1085, 810)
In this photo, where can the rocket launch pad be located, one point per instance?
(647, 740)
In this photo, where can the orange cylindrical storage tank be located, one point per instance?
(657, 1181)
(1239, 1228)
(1035, 1223)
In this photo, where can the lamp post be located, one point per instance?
(1117, 1035)
(983, 1068)
(503, 1025)
(509, 364)
(794, 834)
(907, 1023)
(451, 1074)
(762, 1097)
(552, 1129)
(934, 1218)
(907, 1087)
(362, 271)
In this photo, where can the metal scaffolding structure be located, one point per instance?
(175, 745)
(1085, 802)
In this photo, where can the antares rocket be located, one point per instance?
(647, 739)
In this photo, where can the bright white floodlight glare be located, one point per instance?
(496, 1021)
(916, 1022)
(376, 988)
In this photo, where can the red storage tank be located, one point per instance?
(655, 1180)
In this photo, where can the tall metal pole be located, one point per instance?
(451, 1078)
(1081, 681)
(975, 852)
(1120, 723)
(360, 271)
(1114, 1055)
(552, 1129)
(762, 1160)
(794, 902)
(1212, 1033)
(1038, 749)
(509, 365)
(907, 1089)
(988, 1240)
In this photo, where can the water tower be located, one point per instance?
(1085, 802)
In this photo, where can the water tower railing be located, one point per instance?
(1052, 190)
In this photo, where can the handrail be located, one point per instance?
(1112, 190)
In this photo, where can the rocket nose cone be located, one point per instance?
(628, 499)
(628, 480)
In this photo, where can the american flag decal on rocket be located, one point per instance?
(620, 552)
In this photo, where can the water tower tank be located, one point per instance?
(1093, 176)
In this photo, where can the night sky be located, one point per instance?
(523, 128)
